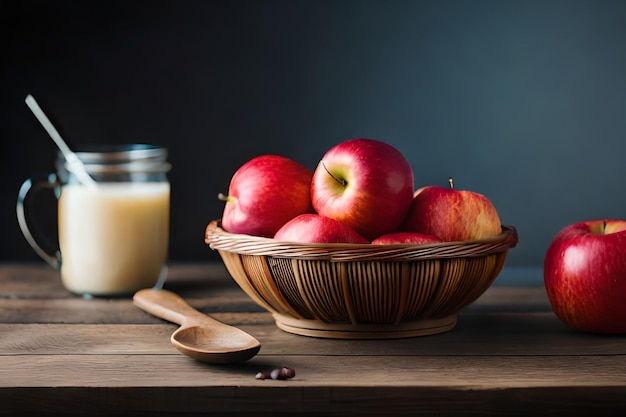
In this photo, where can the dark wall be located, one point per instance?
(523, 101)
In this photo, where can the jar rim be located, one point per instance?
(148, 167)
(111, 154)
(115, 159)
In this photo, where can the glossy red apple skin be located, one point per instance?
(364, 183)
(313, 228)
(405, 237)
(452, 214)
(585, 276)
(265, 193)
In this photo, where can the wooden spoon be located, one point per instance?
(199, 336)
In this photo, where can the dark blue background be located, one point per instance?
(523, 101)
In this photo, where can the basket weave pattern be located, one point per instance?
(361, 289)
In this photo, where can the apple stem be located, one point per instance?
(340, 181)
(451, 182)
(222, 197)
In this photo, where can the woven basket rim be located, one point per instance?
(219, 239)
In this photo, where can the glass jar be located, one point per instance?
(112, 237)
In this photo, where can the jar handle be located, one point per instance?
(27, 192)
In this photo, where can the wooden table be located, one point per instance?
(508, 354)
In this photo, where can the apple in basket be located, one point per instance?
(265, 193)
(452, 214)
(365, 184)
(313, 228)
(405, 237)
(585, 276)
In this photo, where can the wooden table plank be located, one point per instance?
(315, 401)
(400, 385)
(458, 372)
(73, 309)
(476, 334)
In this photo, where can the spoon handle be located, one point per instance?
(167, 305)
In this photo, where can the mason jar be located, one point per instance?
(113, 235)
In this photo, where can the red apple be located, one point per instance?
(404, 237)
(365, 184)
(452, 214)
(585, 276)
(265, 193)
(313, 228)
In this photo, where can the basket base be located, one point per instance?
(316, 328)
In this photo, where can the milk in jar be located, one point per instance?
(113, 238)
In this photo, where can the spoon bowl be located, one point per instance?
(196, 341)
(199, 336)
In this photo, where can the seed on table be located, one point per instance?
(277, 373)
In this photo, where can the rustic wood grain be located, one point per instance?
(508, 355)
(476, 335)
(459, 372)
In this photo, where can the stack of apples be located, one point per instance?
(362, 191)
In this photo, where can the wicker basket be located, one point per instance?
(356, 291)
